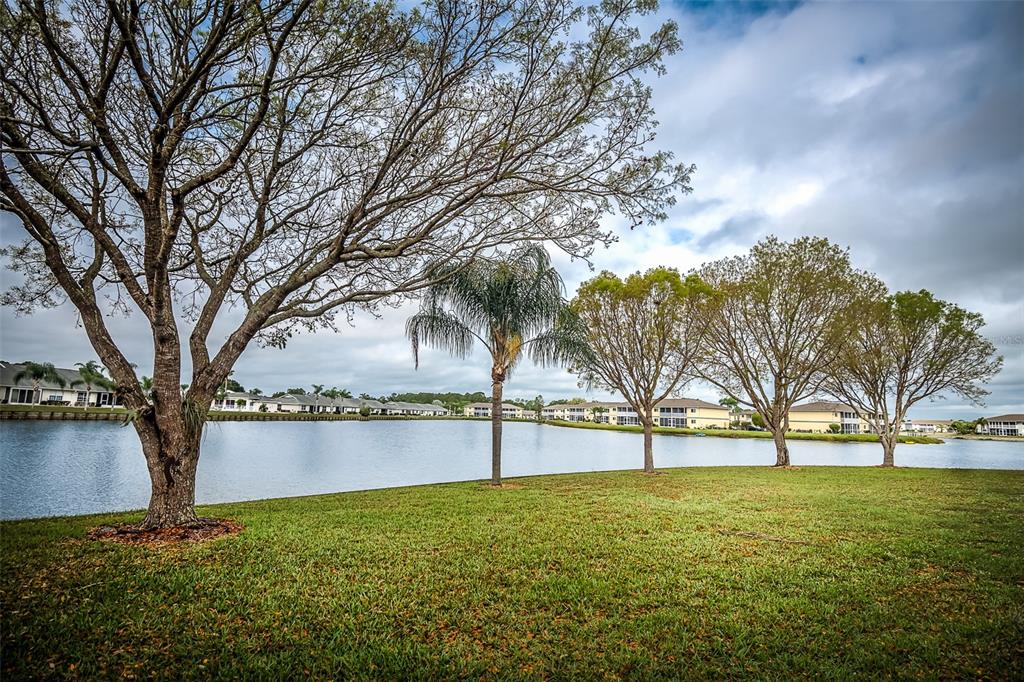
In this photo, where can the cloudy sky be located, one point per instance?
(892, 128)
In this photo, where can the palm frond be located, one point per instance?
(439, 329)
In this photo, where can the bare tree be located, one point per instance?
(266, 165)
(778, 323)
(639, 337)
(907, 348)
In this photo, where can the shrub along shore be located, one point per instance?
(821, 572)
(728, 433)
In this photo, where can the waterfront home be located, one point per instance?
(1003, 425)
(817, 417)
(676, 412)
(926, 426)
(689, 413)
(282, 403)
(578, 412)
(74, 393)
(236, 401)
(508, 411)
(414, 409)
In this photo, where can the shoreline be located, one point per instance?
(61, 413)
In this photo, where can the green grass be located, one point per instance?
(729, 433)
(829, 573)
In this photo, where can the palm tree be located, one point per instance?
(37, 373)
(317, 390)
(146, 383)
(507, 304)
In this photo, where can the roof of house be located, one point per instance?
(1006, 418)
(935, 422)
(582, 406)
(691, 402)
(401, 405)
(670, 402)
(504, 406)
(822, 406)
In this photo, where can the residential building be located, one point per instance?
(676, 412)
(73, 393)
(689, 413)
(508, 411)
(926, 426)
(1003, 425)
(817, 417)
(414, 409)
(236, 401)
(578, 412)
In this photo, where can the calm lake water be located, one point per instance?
(57, 468)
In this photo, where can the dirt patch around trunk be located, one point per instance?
(131, 534)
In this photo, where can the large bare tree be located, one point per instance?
(778, 323)
(910, 347)
(639, 336)
(293, 159)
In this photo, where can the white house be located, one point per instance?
(74, 392)
(508, 411)
(236, 401)
(1003, 425)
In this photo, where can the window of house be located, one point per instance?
(21, 395)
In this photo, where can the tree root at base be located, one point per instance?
(131, 534)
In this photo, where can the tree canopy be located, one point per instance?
(778, 323)
(295, 159)
(638, 336)
(906, 348)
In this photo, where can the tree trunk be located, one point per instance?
(649, 443)
(171, 446)
(888, 450)
(496, 428)
(781, 449)
(172, 500)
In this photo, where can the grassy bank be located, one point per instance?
(723, 572)
(726, 433)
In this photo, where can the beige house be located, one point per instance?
(508, 411)
(689, 413)
(818, 416)
(675, 412)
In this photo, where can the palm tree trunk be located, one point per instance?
(496, 387)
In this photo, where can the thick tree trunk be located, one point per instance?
(496, 429)
(172, 500)
(648, 425)
(781, 449)
(888, 450)
(171, 446)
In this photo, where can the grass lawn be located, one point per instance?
(730, 433)
(695, 573)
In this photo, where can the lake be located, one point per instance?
(60, 468)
